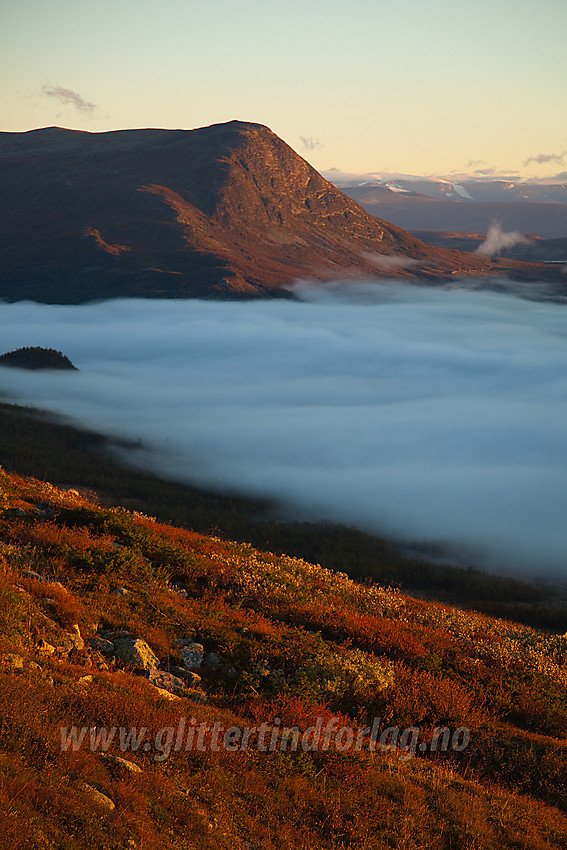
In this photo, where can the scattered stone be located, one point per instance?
(75, 639)
(119, 762)
(261, 669)
(177, 587)
(179, 642)
(106, 647)
(45, 505)
(85, 680)
(166, 681)
(192, 655)
(20, 512)
(196, 696)
(32, 575)
(10, 661)
(66, 643)
(191, 679)
(166, 694)
(212, 661)
(33, 669)
(117, 634)
(44, 648)
(119, 591)
(47, 622)
(136, 653)
(229, 672)
(100, 800)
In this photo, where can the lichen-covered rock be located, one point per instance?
(73, 640)
(166, 681)
(99, 644)
(135, 652)
(191, 679)
(186, 641)
(212, 661)
(10, 661)
(45, 649)
(116, 634)
(196, 696)
(261, 669)
(100, 800)
(192, 655)
(229, 672)
(166, 694)
(120, 763)
(31, 574)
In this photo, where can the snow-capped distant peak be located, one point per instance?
(395, 187)
(460, 190)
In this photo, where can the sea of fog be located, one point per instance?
(423, 414)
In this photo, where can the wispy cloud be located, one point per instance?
(498, 240)
(68, 97)
(309, 144)
(389, 262)
(542, 158)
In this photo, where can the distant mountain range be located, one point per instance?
(226, 211)
(469, 206)
(440, 188)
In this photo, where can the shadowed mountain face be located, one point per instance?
(223, 211)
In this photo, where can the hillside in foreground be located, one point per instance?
(318, 712)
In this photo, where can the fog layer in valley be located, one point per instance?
(422, 414)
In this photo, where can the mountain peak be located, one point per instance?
(224, 210)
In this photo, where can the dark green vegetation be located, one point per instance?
(35, 357)
(34, 444)
(296, 644)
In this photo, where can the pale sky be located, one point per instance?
(412, 86)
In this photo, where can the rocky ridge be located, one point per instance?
(226, 211)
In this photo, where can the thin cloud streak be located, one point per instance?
(542, 158)
(69, 97)
(419, 413)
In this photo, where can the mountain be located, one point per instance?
(417, 211)
(223, 211)
(441, 188)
